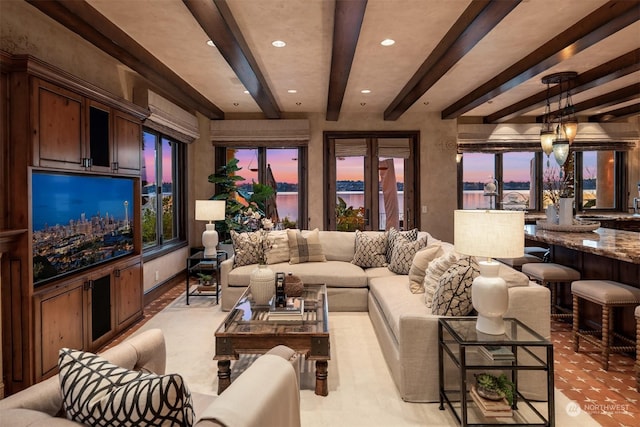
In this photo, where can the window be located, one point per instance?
(162, 187)
(282, 168)
(520, 187)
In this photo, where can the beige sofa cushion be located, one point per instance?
(277, 247)
(420, 263)
(337, 245)
(305, 247)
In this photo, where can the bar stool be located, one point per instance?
(637, 313)
(537, 251)
(609, 295)
(552, 276)
(518, 262)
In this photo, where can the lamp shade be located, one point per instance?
(489, 233)
(210, 210)
(561, 150)
(546, 140)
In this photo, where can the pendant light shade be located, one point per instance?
(546, 140)
(563, 120)
(561, 150)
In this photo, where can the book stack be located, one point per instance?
(294, 310)
(491, 408)
(496, 352)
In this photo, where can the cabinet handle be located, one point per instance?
(114, 166)
(88, 285)
(116, 272)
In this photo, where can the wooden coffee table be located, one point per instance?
(247, 330)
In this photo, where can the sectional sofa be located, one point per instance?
(406, 329)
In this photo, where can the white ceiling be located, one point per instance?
(168, 30)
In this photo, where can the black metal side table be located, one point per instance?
(459, 340)
(199, 263)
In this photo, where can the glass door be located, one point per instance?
(366, 178)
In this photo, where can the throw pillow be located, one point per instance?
(419, 265)
(371, 249)
(403, 252)
(277, 247)
(434, 271)
(98, 393)
(391, 239)
(453, 294)
(305, 248)
(246, 247)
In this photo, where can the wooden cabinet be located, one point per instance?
(77, 133)
(86, 312)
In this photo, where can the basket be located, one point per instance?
(293, 286)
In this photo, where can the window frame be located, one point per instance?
(178, 166)
(221, 160)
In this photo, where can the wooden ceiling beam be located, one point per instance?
(603, 22)
(88, 23)
(347, 22)
(619, 96)
(605, 73)
(476, 21)
(617, 114)
(218, 23)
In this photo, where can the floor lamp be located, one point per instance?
(210, 210)
(489, 234)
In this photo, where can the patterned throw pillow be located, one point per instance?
(403, 252)
(305, 248)
(434, 272)
(98, 393)
(391, 239)
(371, 249)
(246, 247)
(420, 264)
(453, 295)
(277, 247)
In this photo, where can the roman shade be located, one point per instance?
(168, 118)
(229, 133)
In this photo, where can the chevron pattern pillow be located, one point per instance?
(403, 252)
(98, 393)
(371, 249)
(453, 294)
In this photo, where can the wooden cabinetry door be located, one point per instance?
(100, 138)
(58, 127)
(60, 322)
(100, 313)
(127, 141)
(128, 284)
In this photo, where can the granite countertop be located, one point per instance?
(599, 216)
(617, 244)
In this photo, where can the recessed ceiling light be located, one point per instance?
(292, 91)
(246, 91)
(365, 91)
(278, 43)
(210, 43)
(388, 42)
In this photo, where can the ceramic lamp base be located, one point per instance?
(490, 298)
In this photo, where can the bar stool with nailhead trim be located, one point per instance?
(608, 294)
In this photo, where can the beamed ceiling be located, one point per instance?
(451, 57)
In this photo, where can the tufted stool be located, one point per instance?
(552, 275)
(518, 262)
(637, 312)
(609, 295)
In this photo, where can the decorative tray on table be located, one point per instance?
(577, 226)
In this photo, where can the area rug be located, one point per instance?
(361, 390)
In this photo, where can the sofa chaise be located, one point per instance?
(275, 402)
(406, 329)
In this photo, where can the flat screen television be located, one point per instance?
(79, 221)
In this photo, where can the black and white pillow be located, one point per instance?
(96, 392)
(393, 233)
(453, 294)
(371, 249)
(403, 252)
(247, 247)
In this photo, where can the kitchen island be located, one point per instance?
(601, 254)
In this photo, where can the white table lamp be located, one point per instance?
(210, 210)
(490, 234)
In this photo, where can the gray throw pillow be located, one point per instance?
(371, 249)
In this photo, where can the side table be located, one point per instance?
(198, 263)
(459, 340)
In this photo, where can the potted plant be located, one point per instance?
(240, 206)
(495, 387)
(205, 279)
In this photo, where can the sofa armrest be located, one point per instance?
(225, 268)
(267, 393)
(531, 305)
